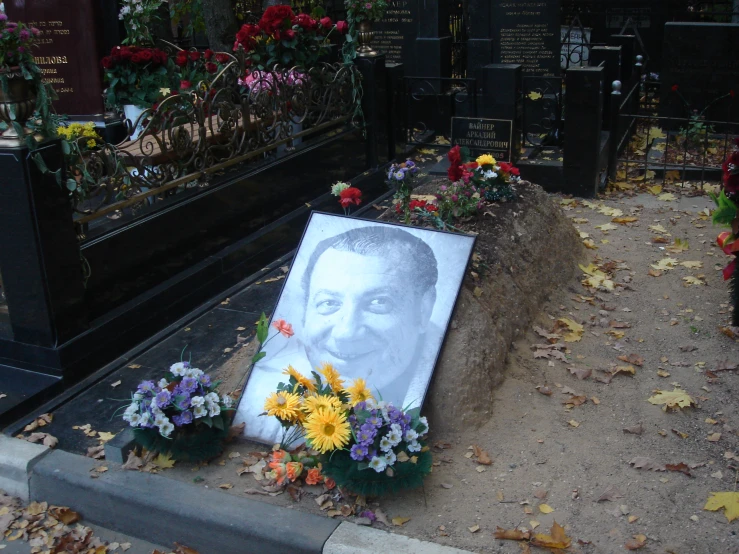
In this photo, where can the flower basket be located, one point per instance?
(196, 445)
(340, 467)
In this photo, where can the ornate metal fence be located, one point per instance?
(188, 137)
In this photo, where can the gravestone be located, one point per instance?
(484, 136)
(700, 59)
(395, 34)
(528, 34)
(69, 53)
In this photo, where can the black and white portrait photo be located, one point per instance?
(372, 299)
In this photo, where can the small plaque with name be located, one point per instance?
(484, 136)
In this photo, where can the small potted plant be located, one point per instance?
(137, 77)
(181, 415)
(364, 13)
(20, 77)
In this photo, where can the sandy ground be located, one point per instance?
(566, 458)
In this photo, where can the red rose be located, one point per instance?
(161, 56)
(326, 23)
(184, 85)
(136, 58)
(417, 204)
(107, 62)
(208, 54)
(194, 55)
(274, 18)
(455, 156)
(126, 52)
(515, 171)
(505, 167)
(222, 58)
(289, 34)
(146, 55)
(455, 173)
(342, 27)
(349, 196)
(181, 59)
(675, 88)
(210, 67)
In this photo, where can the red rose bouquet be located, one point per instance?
(281, 37)
(136, 75)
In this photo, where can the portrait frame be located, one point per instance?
(449, 277)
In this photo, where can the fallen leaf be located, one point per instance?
(675, 399)
(482, 456)
(680, 468)
(624, 220)
(610, 494)
(657, 229)
(606, 227)
(225, 486)
(714, 437)
(545, 390)
(637, 542)
(727, 500)
(667, 197)
(632, 359)
(690, 280)
(580, 373)
(635, 430)
(474, 528)
(642, 462)
(545, 509)
(400, 521)
(511, 534)
(692, 265)
(555, 539)
(624, 369)
(574, 423)
(665, 264)
(575, 329)
(663, 373)
(680, 434)
(104, 437)
(163, 461)
(65, 515)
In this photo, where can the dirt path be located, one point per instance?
(674, 327)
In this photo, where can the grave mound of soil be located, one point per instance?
(527, 249)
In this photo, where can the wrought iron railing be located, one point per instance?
(188, 137)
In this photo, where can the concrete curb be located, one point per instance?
(354, 539)
(17, 458)
(162, 510)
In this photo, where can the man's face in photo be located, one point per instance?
(364, 315)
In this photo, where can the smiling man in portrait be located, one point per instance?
(366, 297)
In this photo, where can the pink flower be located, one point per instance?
(368, 6)
(342, 27)
(284, 328)
(184, 85)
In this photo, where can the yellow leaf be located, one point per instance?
(574, 423)
(692, 265)
(676, 398)
(623, 185)
(533, 95)
(105, 437)
(584, 235)
(555, 539)
(672, 175)
(663, 373)
(656, 189)
(612, 212)
(656, 132)
(400, 521)
(545, 509)
(667, 197)
(729, 501)
(624, 369)
(665, 264)
(680, 245)
(567, 202)
(658, 229)
(690, 280)
(163, 461)
(624, 220)
(590, 244)
(714, 437)
(225, 486)
(606, 227)
(576, 330)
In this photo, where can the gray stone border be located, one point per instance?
(162, 510)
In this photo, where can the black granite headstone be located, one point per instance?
(395, 34)
(484, 136)
(700, 62)
(528, 33)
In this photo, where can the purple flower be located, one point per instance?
(358, 452)
(455, 197)
(35, 31)
(3, 17)
(184, 418)
(366, 434)
(182, 402)
(188, 384)
(443, 188)
(24, 34)
(163, 397)
(146, 386)
(369, 514)
(374, 421)
(360, 406)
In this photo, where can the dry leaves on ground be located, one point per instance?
(729, 501)
(675, 399)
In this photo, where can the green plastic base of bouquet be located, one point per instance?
(205, 444)
(367, 482)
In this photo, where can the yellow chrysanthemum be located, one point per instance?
(300, 378)
(333, 379)
(317, 402)
(284, 405)
(327, 430)
(485, 159)
(91, 143)
(358, 392)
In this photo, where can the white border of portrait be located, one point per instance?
(452, 251)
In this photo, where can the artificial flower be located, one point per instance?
(358, 392)
(284, 328)
(378, 464)
(333, 379)
(320, 402)
(283, 405)
(294, 470)
(313, 476)
(302, 380)
(281, 456)
(329, 483)
(337, 188)
(327, 430)
(485, 159)
(349, 196)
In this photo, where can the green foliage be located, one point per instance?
(340, 467)
(17, 41)
(726, 209)
(357, 10)
(189, 13)
(200, 444)
(138, 16)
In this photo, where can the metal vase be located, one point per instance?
(364, 37)
(21, 98)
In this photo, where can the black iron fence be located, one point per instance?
(432, 102)
(543, 103)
